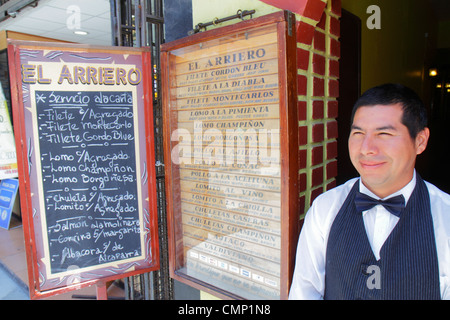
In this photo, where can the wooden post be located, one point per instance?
(102, 291)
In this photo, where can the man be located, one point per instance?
(352, 247)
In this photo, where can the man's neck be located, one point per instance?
(406, 190)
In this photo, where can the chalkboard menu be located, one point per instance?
(231, 158)
(83, 123)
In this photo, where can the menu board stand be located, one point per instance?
(83, 123)
(231, 150)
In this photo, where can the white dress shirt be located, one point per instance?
(309, 275)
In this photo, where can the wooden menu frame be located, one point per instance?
(83, 125)
(233, 221)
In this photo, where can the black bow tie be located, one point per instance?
(394, 205)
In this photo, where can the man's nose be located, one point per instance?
(368, 145)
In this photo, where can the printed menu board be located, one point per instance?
(86, 170)
(223, 134)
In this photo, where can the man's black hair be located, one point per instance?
(414, 111)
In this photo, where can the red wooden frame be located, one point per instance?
(287, 75)
(150, 249)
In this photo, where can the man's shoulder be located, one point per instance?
(437, 194)
(326, 206)
(332, 200)
(338, 193)
(440, 211)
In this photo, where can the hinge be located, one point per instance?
(239, 15)
(290, 22)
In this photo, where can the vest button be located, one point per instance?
(363, 269)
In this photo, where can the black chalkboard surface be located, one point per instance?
(83, 123)
(89, 179)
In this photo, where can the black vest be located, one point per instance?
(408, 265)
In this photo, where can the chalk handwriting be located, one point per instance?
(87, 148)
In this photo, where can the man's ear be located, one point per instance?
(422, 140)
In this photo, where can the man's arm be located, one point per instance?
(309, 275)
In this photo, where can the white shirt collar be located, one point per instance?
(406, 191)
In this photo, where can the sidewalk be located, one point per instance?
(14, 275)
(12, 288)
(13, 265)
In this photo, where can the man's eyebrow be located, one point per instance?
(389, 127)
(386, 128)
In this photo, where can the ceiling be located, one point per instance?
(56, 19)
(59, 19)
